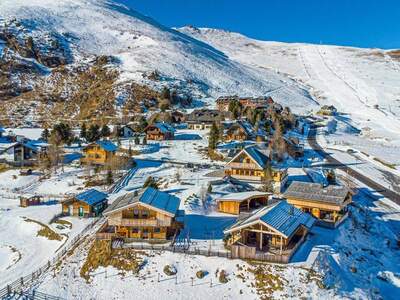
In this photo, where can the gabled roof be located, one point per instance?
(203, 115)
(252, 151)
(281, 216)
(163, 201)
(246, 126)
(91, 197)
(163, 127)
(107, 145)
(239, 197)
(332, 194)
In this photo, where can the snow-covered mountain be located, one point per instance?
(141, 46)
(364, 83)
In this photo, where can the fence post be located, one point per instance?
(176, 279)
(210, 282)
(8, 290)
(22, 281)
(158, 277)
(192, 281)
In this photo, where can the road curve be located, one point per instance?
(393, 196)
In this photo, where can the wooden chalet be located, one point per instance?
(239, 131)
(177, 117)
(252, 102)
(23, 152)
(253, 164)
(29, 200)
(200, 119)
(236, 203)
(160, 132)
(328, 204)
(90, 203)
(272, 233)
(98, 153)
(150, 214)
(126, 131)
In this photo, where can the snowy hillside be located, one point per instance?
(360, 82)
(142, 46)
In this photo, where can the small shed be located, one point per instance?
(236, 203)
(30, 200)
(90, 203)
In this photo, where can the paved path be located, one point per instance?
(395, 197)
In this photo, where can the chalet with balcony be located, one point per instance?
(200, 119)
(254, 164)
(272, 233)
(239, 131)
(23, 152)
(328, 204)
(150, 214)
(160, 132)
(98, 153)
(90, 203)
(236, 203)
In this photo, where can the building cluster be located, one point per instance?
(271, 222)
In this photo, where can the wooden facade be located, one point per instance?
(264, 234)
(244, 166)
(96, 155)
(155, 133)
(91, 207)
(141, 222)
(29, 201)
(322, 210)
(236, 133)
(235, 206)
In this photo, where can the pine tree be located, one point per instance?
(209, 189)
(144, 140)
(93, 133)
(45, 135)
(109, 178)
(165, 93)
(83, 133)
(213, 137)
(105, 131)
(137, 140)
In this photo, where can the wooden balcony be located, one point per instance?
(140, 222)
(248, 166)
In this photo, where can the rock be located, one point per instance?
(170, 270)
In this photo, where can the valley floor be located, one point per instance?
(360, 259)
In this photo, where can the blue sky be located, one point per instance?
(358, 23)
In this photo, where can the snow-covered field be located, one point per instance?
(361, 83)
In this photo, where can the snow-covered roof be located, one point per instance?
(243, 196)
(281, 216)
(2, 129)
(150, 196)
(91, 197)
(333, 194)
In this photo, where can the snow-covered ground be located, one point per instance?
(361, 83)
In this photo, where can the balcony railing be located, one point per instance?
(249, 166)
(140, 222)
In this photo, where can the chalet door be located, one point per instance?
(71, 210)
(80, 211)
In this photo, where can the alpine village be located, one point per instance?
(124, 186)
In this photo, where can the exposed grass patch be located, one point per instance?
(268, 280)
(214, 155)
(45, 231)
(3, 168)
(385, 163)
(63, 222)
(101, 255)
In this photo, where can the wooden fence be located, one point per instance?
(23, 284)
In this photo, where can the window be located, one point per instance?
(145, 230)
(145, 214)
(135, 230)
(136, 213)
(157, 230)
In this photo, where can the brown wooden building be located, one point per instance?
(252, 102)
(328, 204)
(252, 164)
(98, 153)
(160, 132)
(150, 214)
(272, 233)
(239, 131)
(90, 203)
(236, 203)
